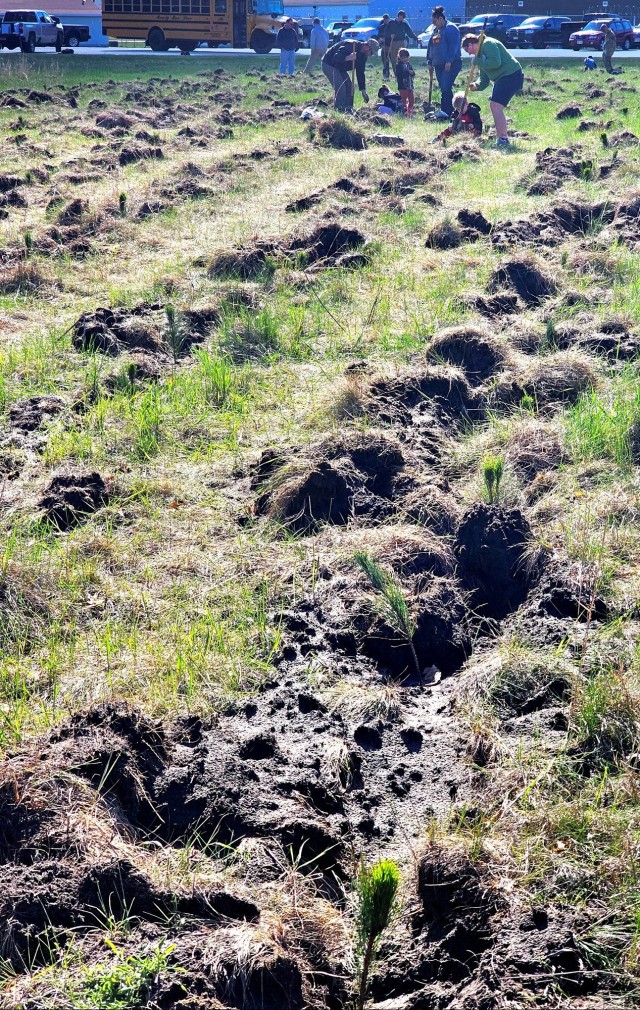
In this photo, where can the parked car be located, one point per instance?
(28, 29)
(541, 32)
(636, 36)
(497, 25)
(592, 36)
(335, 30)
(73, 34)
(423, 37)
(366, 28)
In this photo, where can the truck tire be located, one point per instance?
(187, 46)
(261, 42)
(157, 41)
(73, 41)
(29, 44)
(626, 45)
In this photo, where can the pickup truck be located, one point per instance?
(28, 29)
(73, 34)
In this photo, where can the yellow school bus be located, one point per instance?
(164, 24)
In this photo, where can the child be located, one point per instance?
(465, 118)
(589, 63)
(389, 103)
(404, 76)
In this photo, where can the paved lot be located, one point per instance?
(418, 54)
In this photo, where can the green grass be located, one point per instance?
(606, 424)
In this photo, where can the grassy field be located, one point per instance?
(235, 357)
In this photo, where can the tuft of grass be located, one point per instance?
(605, 714)
(606, 424)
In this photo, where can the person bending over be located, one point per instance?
(498, 67)
(337, 65)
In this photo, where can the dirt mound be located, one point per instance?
(474, 220)
(342, 620)
(113, 119)
(437, 394)
(30, 414)
(142, 328)
(332, 482)
(534, 449)
(491, 546)
(526, 278)
(73, 212)
(475, 352)
(569, 112)
(9, 182)
(68, 498)
(328, 244)
(444, 236)
(250, 263)
(549, 383)
(139, 152)
(339, 133)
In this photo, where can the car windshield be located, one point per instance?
(593, 26)
(368, 23)
(533, 23)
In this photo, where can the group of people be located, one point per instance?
(344, 64)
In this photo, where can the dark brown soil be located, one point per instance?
(472, 350)
(526, 278)
(69, 498)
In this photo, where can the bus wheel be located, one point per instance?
(188, 46)
(261, 42)
(157, 41)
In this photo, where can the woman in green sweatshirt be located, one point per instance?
(498, 67)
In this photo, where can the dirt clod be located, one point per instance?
(68, 498)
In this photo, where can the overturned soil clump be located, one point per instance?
(69, 498)
(526, 278)
(475, 352)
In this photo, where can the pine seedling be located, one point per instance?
(551, 335)
(492, 470)
(175, 335)
(122, 204)
(28, 243)
(376, 890)
(390, 602)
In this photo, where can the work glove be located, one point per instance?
(365, 97)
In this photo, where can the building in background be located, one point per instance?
(70, 12)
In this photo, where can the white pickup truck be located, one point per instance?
(28, 29)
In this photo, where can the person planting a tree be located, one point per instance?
(498, 67)
(340, 64)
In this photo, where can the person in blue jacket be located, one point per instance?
(444, 55)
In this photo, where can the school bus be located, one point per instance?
(164, 24)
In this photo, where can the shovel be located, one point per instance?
(428, 107)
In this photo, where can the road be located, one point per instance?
(124, 51)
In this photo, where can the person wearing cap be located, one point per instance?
(338, 64)
(498, 67)
(443, 54)
(318, 44)
(384, 40)
(287, 40)
(399, 32)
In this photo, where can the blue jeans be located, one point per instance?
(287, 61)
(445, 80)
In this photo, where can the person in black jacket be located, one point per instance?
(384, 43)
(338, 63)
(398, 32)
(287, 39)
(404, 76)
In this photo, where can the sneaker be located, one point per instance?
(502, 142)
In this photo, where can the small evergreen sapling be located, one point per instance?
(390, 603)
(376, 890)
(492, 470)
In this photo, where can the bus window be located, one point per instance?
(268, 6)
(221, 6)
